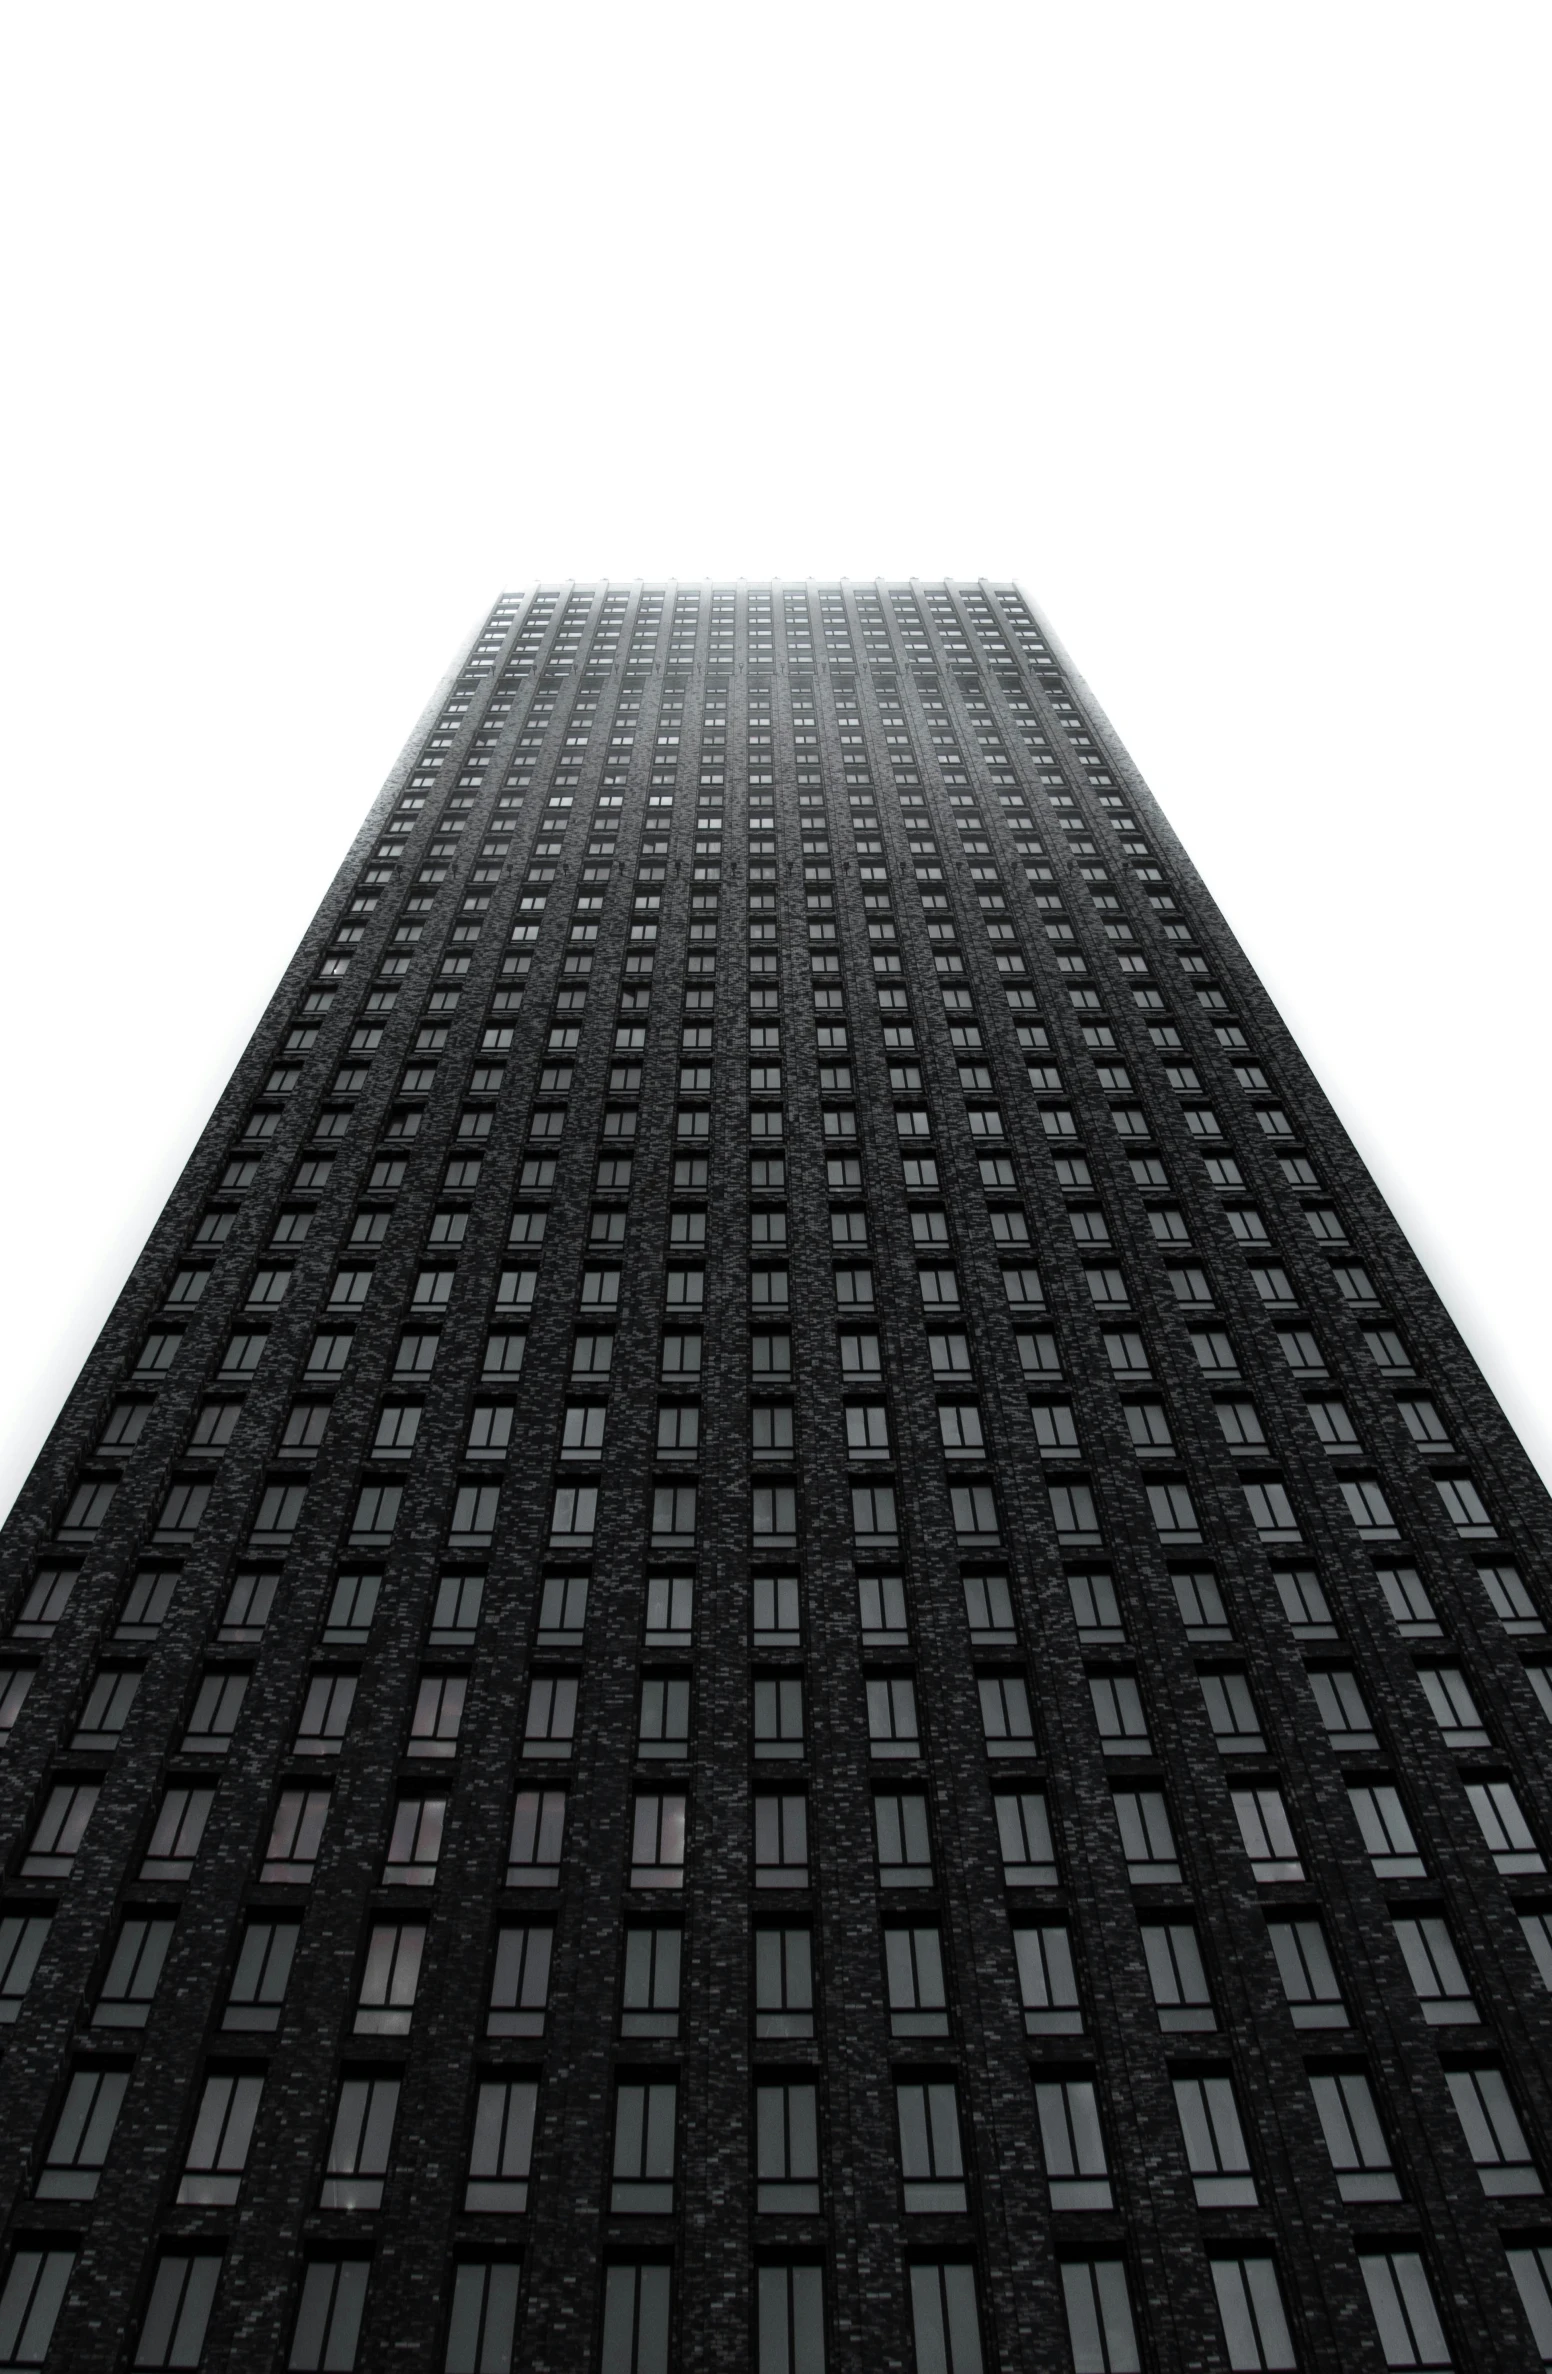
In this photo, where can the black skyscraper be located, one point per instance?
(778, 1631)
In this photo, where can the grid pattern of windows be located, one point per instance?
(778, 1590)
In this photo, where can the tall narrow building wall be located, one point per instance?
(778, 1630)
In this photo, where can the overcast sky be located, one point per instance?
(1222, 328)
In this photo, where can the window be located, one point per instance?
(139, 1952)
(552, 1715)
(673, 1512)
(1099, 2317)
(1148, 1426)
(882, 1611)
(932, 2164)
(873, 1514)
(22, 1939)
(82, 2135)
(1308, 1974)
(645, 2118)
(1177, 1976)
(857, 1356)
(1494, 2136)
(258, 1989)
(770, 1431)
(650, 1994)
(248, 1607)
(415, 1842)
(787, 2148)
(1411, 2335)
(1056, 1430)
(892, 1720)
(305, 1428)
(325, 1714)
(1267, 1834)
(791, 2312)
(223, 2131)
(1425, 1425)
(328, 2321)
(126, 1422)
(1232, 1713)
(1201, 1607)
(781, 1841)
(1146, 1838)
(945, 2323)
(390, 1978)
(329, 1356)
(913, 1966)
(1464, 1507)
(1073, 2144)
(474, 1512)
(670, 1609)
(1339, 1702)
(1214, 1353)
(784, 1983)
(1532, 2271)
(1118, 1712)
(582, 1430)
(1368, 1508)
(867, 1430)
(160, 1351)
(504, 1358)
(107, 1707)
(1255, 2325)
(778, 1715)
(1354, 2137)
(61, 1827)
(1386, 1832)
(351, 1609)
(658, 1841)
(1072, 1512)
(989, 1609)
(1304, 1602)
(35, 2286)
(397, 1427)
(520, 1981)
(295, 1833)
(1048, 1981)
(1240, 1422)
(903, 1841)
(438, 1715)
(1452, 1706)
(1408, 1602)
(1271, 1511)
(663, 1727)
(1304, 1357)
(178, 2313)
(183, 1509)
(502, 2149)
(573, 1516)
(1038, 1355)
(637, 2300)
(482, 2327)
(1511, 1602)
(1504, 1826)
(360, 2144)
(1215, 2143)
(456, 1614)
(1434, 1968)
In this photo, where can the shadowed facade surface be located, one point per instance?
(778, 1631)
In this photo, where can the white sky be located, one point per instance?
(1222, 327)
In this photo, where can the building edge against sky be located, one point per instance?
(777, 1624)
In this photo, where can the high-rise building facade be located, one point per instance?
(778, 1630)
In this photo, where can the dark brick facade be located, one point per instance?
(1030, 1223)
